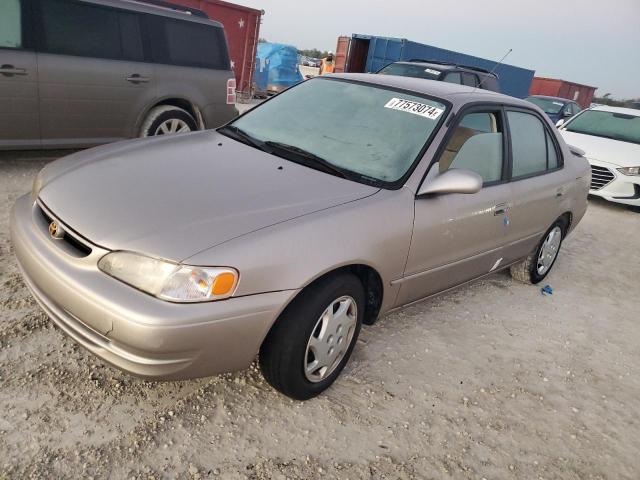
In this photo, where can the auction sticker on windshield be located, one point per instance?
(417, 108)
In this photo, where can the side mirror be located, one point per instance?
(559, 123)
(454, 180)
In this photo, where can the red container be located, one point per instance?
(583, 94)
(242, 26)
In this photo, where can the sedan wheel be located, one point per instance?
(330, 338)
(173, 125)
(312, 341)
(549, 250)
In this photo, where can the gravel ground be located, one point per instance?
(491, 381)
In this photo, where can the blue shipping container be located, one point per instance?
(514, 81)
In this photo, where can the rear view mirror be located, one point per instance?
(454, 180)
(567, 114)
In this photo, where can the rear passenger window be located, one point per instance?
(469, 79)
(10, 24)
(194, 45)
(72, 28)
(453, 78)
(532, 146)
(476, 145)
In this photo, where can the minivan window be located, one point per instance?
(10, 24)
(453, 78)
(80, 29)
(373, 133)
(469, 79)
(194, 45)
(411, 70)
(529, 142)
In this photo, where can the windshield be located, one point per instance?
(375, 133)
(411, 70)
(618, 126)
(549, 105)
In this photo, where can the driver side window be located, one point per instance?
(476, 145)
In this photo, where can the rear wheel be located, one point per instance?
(167, 120)
(312, 340)
(538, 264)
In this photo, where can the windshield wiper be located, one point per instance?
(244, 137)
(307, 158)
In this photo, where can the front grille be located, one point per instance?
(72, 244)
(600, 177)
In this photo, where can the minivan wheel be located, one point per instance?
(312, 341)
(538, 264)
(166, 120)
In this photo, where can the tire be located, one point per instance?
(165, 118)
(289, 347)
(528, 270)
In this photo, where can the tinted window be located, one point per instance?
(548, 105)
(10, 24)
(193, 44)
(453, 78)
(476, 145)
(469, 79)
(71, 28)
(411, 70)
(528, 144)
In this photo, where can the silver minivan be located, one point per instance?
(76, 73)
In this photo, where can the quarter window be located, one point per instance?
(85, 30)
(10, 24)
(476, 145)
(532, 147)
(194, 45)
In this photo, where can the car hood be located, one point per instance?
(622, 154)
(173, 197)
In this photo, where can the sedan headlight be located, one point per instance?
(169, 281)
(630, 170)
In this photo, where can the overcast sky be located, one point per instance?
(585, 41)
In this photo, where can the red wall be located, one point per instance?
(242, 26)
(583, 94)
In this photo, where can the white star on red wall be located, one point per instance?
(241, 23)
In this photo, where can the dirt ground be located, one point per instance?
(492, 381)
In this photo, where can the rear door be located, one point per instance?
(19, 120)
(539, 183)
(94, 85)
(458, 237)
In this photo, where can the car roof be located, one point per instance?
(557, 99)
(626, 111)
(156, 9)
(454, 93)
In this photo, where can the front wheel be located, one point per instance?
(312, 341)
(538, 264)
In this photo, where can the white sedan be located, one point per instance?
(610, 136)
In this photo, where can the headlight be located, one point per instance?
(630, 170)
(170, 281)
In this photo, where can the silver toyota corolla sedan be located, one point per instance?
(283, 232)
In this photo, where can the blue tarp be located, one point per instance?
(276, 67)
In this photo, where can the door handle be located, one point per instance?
(560, 192)
(500, 209)
(137, 78)
(10, 71)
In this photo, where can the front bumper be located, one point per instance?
(130, 329)
(608, 183)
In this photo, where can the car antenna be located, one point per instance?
(494, 68)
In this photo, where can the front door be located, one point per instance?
(19, 122)
(458, 237)
(93, 84)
